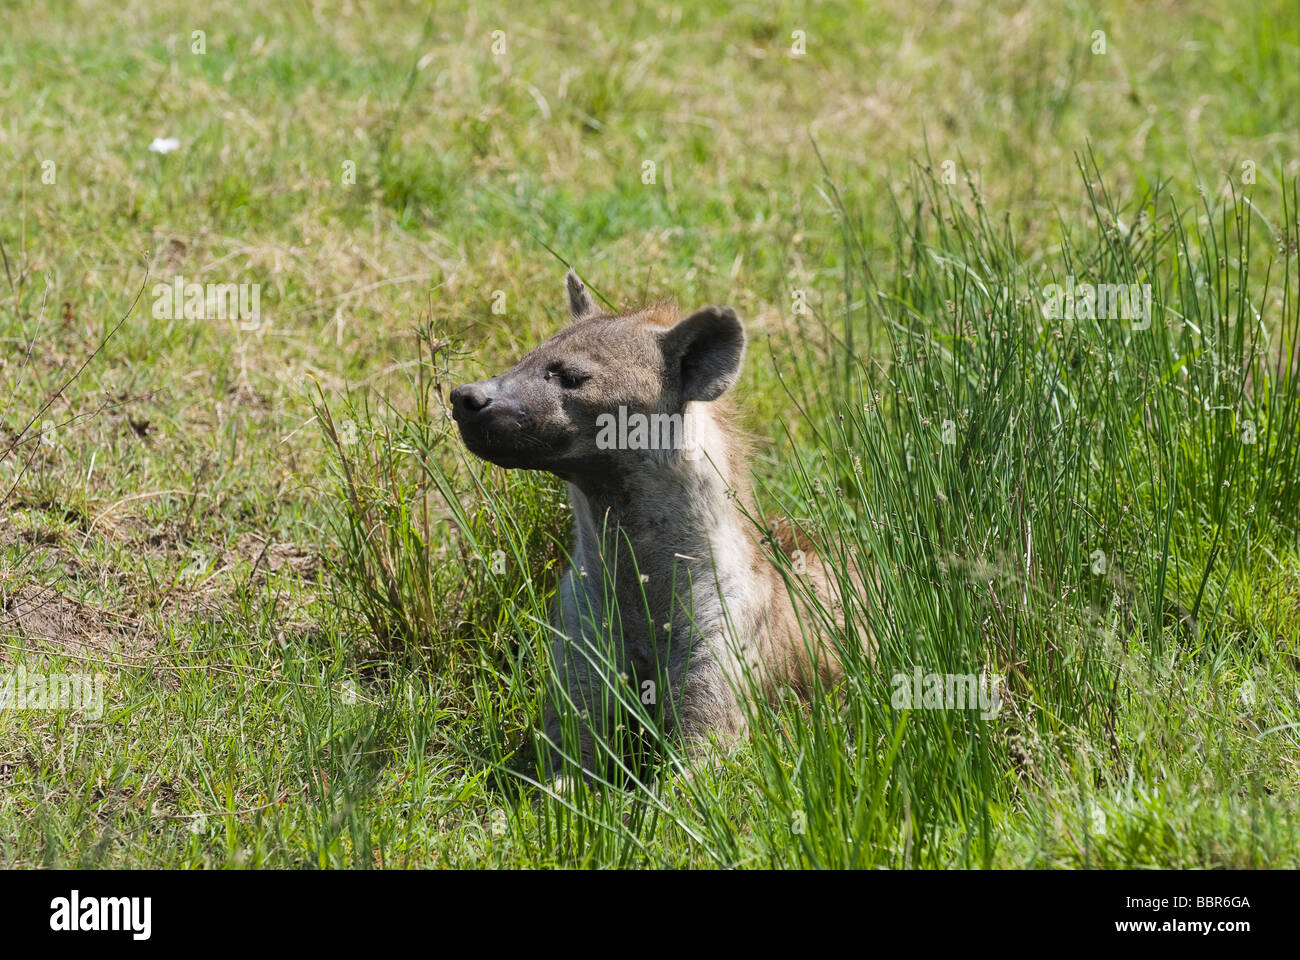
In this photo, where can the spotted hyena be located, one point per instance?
(669, 591)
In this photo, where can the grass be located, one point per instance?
(320, 625)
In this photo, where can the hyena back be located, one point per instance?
(668, 582)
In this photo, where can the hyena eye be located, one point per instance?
(568, 379)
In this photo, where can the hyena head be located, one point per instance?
(553, 410)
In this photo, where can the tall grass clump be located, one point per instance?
(1059, 498)
(431, 547)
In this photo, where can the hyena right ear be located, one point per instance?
(581, 306)
(705, 350)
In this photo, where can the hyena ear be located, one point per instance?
(581, 306)
(705, 351)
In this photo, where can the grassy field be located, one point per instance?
(318, 622)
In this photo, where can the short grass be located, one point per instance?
(269, 545)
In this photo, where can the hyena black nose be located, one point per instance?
(470, 398)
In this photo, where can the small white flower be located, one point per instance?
(164, 145)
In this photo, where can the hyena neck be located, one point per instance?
(679, 519)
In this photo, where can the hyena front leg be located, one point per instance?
(578, 695)
(565, 704)
(705, 711)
